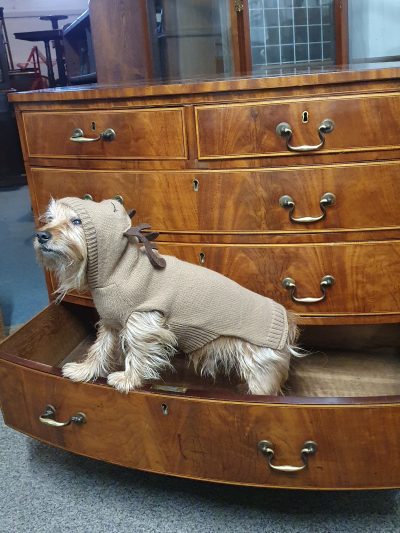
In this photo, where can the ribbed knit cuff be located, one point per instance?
(90, 235)
(279, 329)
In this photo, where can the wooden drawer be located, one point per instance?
(239, 201)
(367, 275)
(362, 122)
(155, 133)
(210, 431)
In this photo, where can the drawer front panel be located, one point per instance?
(240, 201)
(367, 275)
(209, 439)
(246, 130)
(139, 134)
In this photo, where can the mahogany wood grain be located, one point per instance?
(240, 38)
(303, 319)
(205, 439)
(360, 287)
(140, 134)
(248, 130)
(256, 163)
(235, 219)
(308, 79)
(250, 199)
(338, 369)
(51, 334)
(341, 17)
(131, 19)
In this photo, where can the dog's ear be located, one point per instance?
(131, 213)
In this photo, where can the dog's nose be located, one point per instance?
(43, 236)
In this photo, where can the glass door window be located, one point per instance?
(291, 32)
(193, 37)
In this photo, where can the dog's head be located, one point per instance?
(60, 246)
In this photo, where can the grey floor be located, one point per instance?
(43, 489)
(22, 285)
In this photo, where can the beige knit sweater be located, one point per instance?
(199, 304)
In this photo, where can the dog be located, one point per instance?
(92, 246)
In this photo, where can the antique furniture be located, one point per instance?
(286, 184)
(181, 39)
(46, 36)
(11, 167)
(58, 47)
(78, 50)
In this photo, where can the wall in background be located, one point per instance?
(23, 15)
(374, 28)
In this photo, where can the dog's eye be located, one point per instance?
(76, 221)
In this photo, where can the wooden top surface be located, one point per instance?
(266, 79)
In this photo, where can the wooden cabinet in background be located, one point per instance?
(182, 39)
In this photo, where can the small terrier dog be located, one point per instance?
(220, 325)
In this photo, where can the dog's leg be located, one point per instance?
(264, 370)
(98, 359)
(267, 371)
(147, 346)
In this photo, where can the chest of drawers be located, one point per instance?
(289, 186)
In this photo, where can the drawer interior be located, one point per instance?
(343, 361)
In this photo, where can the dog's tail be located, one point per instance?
(293, 336)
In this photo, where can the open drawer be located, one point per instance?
(346, 401)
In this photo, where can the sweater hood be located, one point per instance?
(104, 224)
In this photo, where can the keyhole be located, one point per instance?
(93, 126)
(202, 258)
(304, 117)
(196, 185)
(164, 409)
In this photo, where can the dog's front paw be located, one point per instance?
(122, 382)
(78, 372)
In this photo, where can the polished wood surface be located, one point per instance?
(140, 133)
(206, 169)
(251, 199)
(337, 371)
(359, 286)
(131, 19)
(132, 430)
(206, 439)
(290, 79)
(248, 130)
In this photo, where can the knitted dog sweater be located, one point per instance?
(199, 304)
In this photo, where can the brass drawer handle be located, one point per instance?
(327, 200)
(79, 137)
(290, 285)
(47, 418)
(267, 449)
(284, 130)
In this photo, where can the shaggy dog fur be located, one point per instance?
(145, 345)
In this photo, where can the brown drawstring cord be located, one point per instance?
(155, 260)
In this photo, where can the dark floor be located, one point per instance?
(22, 286)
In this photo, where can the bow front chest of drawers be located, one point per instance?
(289, 186)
